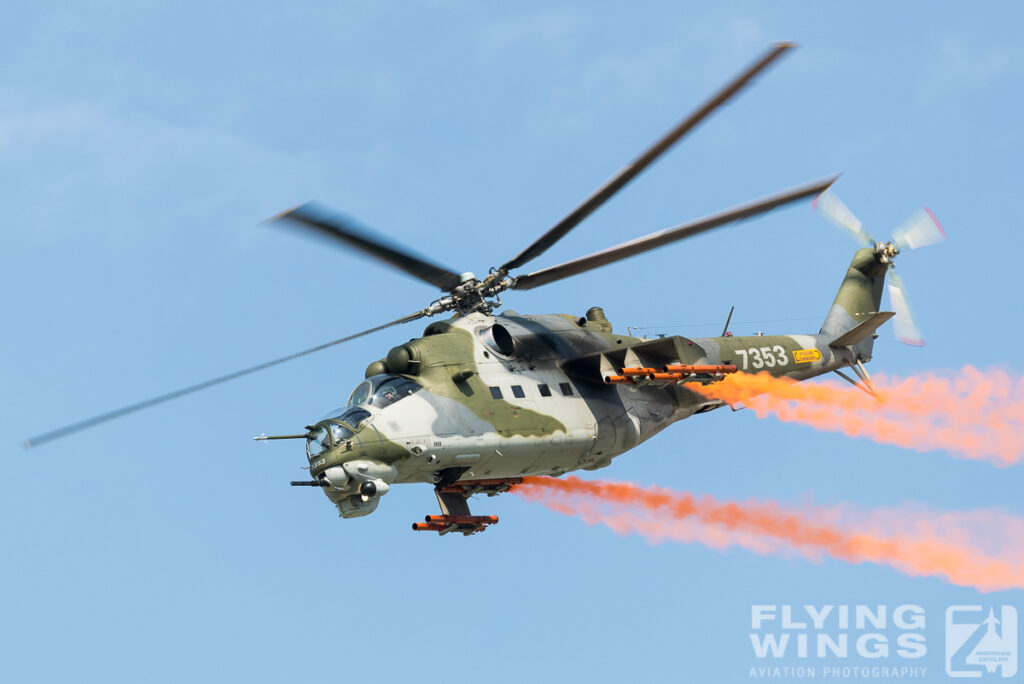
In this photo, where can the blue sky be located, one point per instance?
(141, 146)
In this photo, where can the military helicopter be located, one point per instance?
(483, 399)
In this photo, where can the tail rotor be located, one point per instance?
(920, 230)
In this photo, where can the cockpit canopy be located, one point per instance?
(382, 390)
(334, 429)
(341, 425)
(353, 416)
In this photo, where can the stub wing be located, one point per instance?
(595, 366)
(454, 502)
(661, 361)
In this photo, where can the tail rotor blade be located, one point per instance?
(920, 230)
(832, 208)
(904, 326)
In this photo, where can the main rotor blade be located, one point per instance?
(631, 171)
(132, 408)
(664, 237)
(346, 230)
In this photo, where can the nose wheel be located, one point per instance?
(454, 501)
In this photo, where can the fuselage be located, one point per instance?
(486, 397)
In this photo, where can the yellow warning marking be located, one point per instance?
(806, 355)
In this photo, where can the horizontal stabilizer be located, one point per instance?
(862, 330)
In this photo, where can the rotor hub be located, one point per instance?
(472, 295)
(886, 252)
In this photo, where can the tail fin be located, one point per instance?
(859, 298)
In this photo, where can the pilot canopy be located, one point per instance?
(380, 391)
(339, 426)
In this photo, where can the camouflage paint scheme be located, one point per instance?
(453, 429)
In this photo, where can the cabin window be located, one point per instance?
(566, 388)
(496, 393)
(517, 391)
(545, 391)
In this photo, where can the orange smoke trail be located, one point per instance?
(914, 541)
(973, 414)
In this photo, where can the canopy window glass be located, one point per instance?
(354, 417)
(340, 433)
(318, 442)
(381, 391)
(350, 416)
(360, 394)
(336, 429)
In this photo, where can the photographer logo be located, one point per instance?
(981, 641)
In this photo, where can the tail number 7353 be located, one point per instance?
(763, 357)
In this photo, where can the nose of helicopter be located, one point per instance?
(338, 432)
(354, 484)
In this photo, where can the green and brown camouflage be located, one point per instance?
(490, 397)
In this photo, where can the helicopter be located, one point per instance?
(483, 399)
